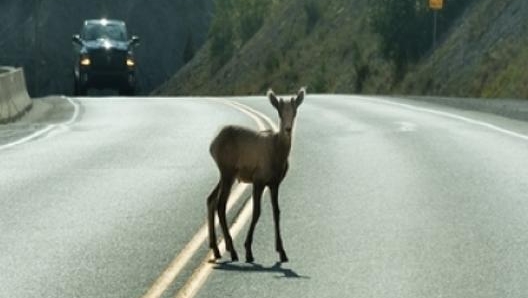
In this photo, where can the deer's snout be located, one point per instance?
(288, 130)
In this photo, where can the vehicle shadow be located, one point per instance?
(258, 268)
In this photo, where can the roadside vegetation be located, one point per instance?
(234, 23)
(361, 46)
(405, 28)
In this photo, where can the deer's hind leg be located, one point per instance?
(212, 203)
(226, 184)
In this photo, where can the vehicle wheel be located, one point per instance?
(129, 91)
(75, 86)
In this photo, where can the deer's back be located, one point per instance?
(241, 151)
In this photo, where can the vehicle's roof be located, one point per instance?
(99, 21)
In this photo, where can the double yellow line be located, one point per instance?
(200, 274)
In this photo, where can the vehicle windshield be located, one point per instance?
(96, 31)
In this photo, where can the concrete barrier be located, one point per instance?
(14, 98)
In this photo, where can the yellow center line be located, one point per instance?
(200, 275)
(180, 261)
(255, 115)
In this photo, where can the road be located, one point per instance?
(99, 207)
(384, 198)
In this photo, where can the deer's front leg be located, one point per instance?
(257, 195)
(225, 189)
(212, 202)
(274, 189)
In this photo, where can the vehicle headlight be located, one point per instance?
(130, 62)
(85, 61)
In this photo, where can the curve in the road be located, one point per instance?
(47, 129)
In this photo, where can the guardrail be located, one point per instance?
(14, 98)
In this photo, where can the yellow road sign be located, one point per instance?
(436, 4)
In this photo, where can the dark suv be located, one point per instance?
(104, 57)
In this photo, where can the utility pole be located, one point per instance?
(435, 17)
(435, 6)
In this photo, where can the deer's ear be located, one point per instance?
(300, 96)
(273, 99)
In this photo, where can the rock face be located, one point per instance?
(36, 34)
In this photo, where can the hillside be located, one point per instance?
(164, 27)
(335, 50)
(484, 55)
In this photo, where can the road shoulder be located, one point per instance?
(516, 109)
(46, 111)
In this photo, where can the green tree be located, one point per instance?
(250, 14)
(189, 50)
(233, 24)
(221, 33)
(313, 12)
(405, 27)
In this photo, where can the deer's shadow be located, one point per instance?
(258, 268)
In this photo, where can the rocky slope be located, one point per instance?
(163, 26)
(482, 54)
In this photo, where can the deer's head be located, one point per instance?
(287, 109)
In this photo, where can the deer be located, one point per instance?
(259, 158)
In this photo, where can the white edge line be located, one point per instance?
(76, 112)
(448, 115)
(46, 129)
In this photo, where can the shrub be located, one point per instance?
(272, 62)
(313, 14)
(320, 83)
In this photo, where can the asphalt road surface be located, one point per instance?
(384, 198)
